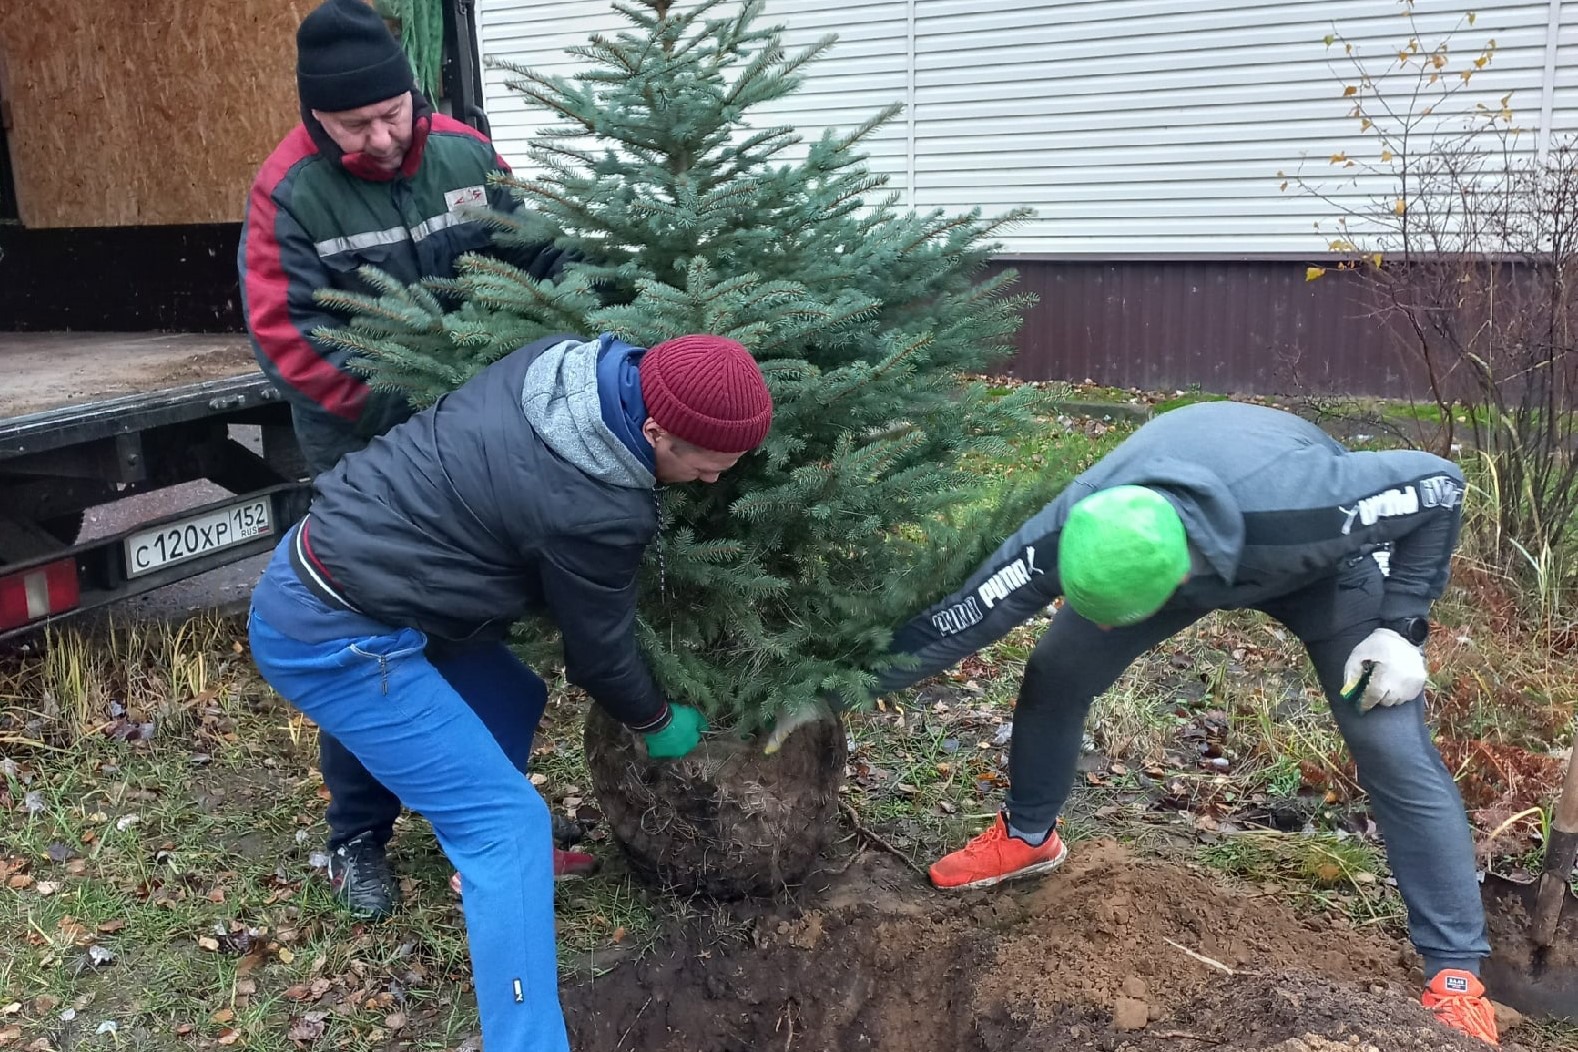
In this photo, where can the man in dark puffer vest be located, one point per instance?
(532, 487)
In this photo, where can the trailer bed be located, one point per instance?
(46, 371)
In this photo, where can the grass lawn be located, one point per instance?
(161, 816)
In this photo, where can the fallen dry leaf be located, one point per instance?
(307, 1028)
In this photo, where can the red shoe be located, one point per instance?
(1458, 1000)
(996, 856)
(573, 865)
(567, 865)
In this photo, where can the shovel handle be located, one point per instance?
(1560, 852)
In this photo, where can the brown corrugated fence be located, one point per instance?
(1250, 327)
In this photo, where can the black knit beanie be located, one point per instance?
(346, 57)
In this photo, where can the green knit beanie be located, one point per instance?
(1122, 555)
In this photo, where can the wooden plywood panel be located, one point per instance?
(142, 112)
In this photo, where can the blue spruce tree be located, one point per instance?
(781, 583)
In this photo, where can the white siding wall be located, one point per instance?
(1564, 71)
(867, 70)
(1133, 127)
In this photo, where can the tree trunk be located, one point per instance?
(726, 820)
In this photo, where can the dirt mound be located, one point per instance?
(1284, 1013)
(1113, 953)
(1110, 917)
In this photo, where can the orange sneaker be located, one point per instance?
(996, 856)
(1458, 1000)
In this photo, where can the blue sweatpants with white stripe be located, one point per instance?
(373, 687)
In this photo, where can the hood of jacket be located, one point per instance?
(562, 403)
(1211, 514)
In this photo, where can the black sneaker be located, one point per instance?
(566, 831)
(359, 871)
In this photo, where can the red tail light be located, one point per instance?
(44, 590)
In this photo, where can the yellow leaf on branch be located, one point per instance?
(1399, 206)
(1311, 273)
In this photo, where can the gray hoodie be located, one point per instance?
(561, 402)
(1269, 501)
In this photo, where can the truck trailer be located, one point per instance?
(129, 135)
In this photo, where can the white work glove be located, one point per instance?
(1385, 669)
(792, 719)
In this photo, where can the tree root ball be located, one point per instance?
(725, 821)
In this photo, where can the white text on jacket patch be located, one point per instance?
(1010, 578)
(465, 197)
(1438, 491)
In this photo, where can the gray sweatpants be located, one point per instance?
(1416, 803)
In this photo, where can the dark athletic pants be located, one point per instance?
(1415, 800)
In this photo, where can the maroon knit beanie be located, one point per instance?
(707, 390)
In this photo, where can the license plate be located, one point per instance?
(176, 542)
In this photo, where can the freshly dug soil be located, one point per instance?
(725, 821)
(1097, 956)
(1283, 1013)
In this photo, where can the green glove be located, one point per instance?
(685, 727)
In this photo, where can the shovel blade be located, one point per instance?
(1540, 981)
